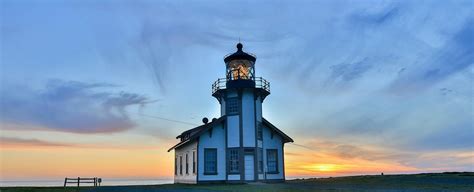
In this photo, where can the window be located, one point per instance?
(176, 165)
(259, 131)
(240, 69)
(233, 161)
(210, 161)
(194, 161)
(260, 160)
(272, 161)
(181, 165)
(187, 164)
(232, 106)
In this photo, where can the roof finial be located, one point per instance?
(239, 46)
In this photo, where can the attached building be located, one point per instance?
(241, 145)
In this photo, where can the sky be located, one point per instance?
(102, 88)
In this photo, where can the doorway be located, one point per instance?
(249, 167)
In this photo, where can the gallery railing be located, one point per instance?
(260, 83)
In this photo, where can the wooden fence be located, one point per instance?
(96, 181)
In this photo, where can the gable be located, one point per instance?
(194, 133)
(273, 128)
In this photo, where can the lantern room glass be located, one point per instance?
(240, 69)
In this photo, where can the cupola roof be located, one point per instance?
(239, 54)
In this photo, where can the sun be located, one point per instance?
(324, 167)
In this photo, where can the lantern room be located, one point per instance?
(240, 74)
(240, 65)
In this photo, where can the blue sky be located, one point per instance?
(345, 75)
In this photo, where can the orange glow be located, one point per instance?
(330, 161)
(60, 162)
(323, 167)
(240, 72)
(150, 160)
(240, 69)
(63, 162)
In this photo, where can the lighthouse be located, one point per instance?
(240, 146)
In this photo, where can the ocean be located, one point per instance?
(105, 182)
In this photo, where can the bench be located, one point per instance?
(96, 181)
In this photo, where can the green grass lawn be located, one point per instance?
(416, 182)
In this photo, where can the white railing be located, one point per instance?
(219, 84)
(260, 83)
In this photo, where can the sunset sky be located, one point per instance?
(102, 88)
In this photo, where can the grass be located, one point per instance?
(418, 182)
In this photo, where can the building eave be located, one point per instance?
(198, 132)
(285, 137)
(179, 145)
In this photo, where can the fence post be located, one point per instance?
(78, 181)
(65, 181)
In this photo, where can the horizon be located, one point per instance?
(170, 179)
(103, 88)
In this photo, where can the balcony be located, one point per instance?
(260, 83)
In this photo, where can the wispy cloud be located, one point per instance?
(377, 15)
(346, 159)
(349, 71)
(69, 106)
(34, 143)
(8, 142)
(456, 55)
(359, 151)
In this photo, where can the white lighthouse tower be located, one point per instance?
(241, 95)
(241, 145)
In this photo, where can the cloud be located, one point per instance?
(28, 143)
(347, 154)
(457, 136)
(19, 142)
(348, 72)
(69, 106)
(294, 154)
(358, 151)
(376, 16)
(456, 55)
(444, 161)
(160, 39)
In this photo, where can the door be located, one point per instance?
(249, 167)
